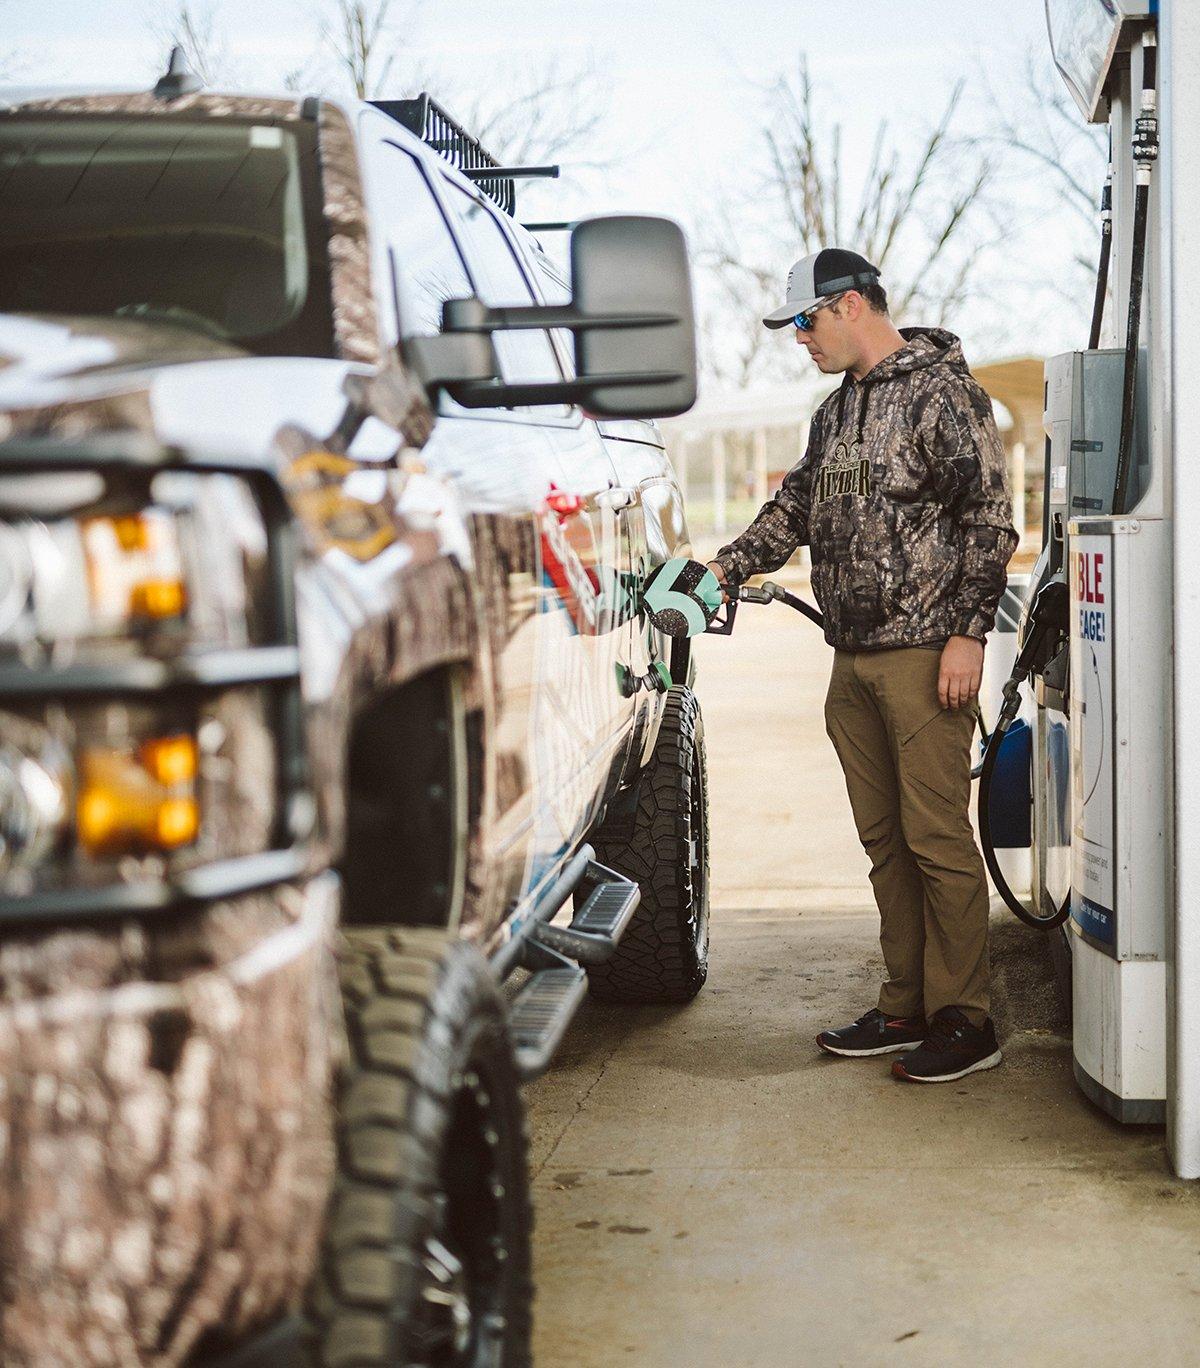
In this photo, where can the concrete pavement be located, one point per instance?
(711, 1191)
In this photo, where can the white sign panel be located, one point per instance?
(1093, 736)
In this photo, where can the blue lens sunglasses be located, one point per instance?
(804, 320)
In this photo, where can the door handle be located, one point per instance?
(617, 498)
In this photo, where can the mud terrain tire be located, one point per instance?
(663, 955)
(426, 1251)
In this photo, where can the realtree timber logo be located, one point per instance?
(847, 473)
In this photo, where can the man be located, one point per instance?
(902, 498)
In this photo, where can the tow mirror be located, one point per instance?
(631, 314)
(630, 265)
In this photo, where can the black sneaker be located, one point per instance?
(874, 1033)
(952, 1049)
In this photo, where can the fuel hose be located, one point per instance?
(1105, 252)
(1145, 152)
(683, 598)
(1050, 915)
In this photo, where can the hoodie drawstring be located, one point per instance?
(847, 384)
(847, 381)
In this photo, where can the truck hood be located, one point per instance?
(44, 347)
(74, 376)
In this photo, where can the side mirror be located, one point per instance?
(631, 313)
(633, 264)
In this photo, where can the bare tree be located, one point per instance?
(193, 26)
(1037, 132)
(546, 111)
(363, 44)
(551, 110)
(735, 289)
(915, 216)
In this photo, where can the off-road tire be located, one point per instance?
(663, 955)
(431, 1146)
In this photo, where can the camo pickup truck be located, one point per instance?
(327, 703)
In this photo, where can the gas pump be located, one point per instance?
(1102, 680)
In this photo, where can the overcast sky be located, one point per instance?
(682, 88)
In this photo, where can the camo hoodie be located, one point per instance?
(902, 497)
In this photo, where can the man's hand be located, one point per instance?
(719, 570)
(961, 673)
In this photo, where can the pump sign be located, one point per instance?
(1089, 588)
(1093, 905)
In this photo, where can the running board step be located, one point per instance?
(599, 924)
(541, 1014)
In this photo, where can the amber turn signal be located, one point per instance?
(170, 760)
(157, 599)
(138, 802)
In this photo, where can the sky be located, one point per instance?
(682, 85)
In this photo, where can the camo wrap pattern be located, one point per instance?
(903, 498)
(163, 1179)
(354, 321)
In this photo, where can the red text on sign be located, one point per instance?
(1090, 576)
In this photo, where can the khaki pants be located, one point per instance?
(907, 762)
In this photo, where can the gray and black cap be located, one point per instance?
(812, 278)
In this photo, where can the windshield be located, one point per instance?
(208, 224)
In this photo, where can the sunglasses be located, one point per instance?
(804, 320)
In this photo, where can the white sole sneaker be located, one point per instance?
(989, 1063)
(866, 1054)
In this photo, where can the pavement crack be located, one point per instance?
(580, 1103)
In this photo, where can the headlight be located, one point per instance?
(180, 569)
(97, 788)
(34, 794)
(95, 574)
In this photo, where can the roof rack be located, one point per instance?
(430, 122)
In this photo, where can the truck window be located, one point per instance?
(213, 225)
(555, 290)
(423, 252)
(525, 357)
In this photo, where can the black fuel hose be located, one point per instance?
(769, 592)
(1105, 252)
(1054, 916)
(1141, 205)
(1145, 152)
(1050, 916)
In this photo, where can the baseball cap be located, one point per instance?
(824, 273)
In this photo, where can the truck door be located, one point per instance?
(578, 704)
(493, 464)
(637, 550)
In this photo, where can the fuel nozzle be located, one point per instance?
(1044, 633)
(683, 598)
(749, 593)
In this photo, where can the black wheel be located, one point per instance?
(663, 955)
(426, 1252)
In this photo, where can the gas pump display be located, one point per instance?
(1093, 892)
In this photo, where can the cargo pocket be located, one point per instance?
(936, 755)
